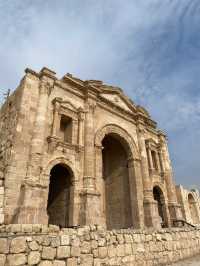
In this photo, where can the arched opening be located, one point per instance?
(117, 202)
(58, 206)
(193, 210)
(159, 197)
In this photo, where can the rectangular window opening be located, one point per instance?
(66, 128)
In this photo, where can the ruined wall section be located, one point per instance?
(94, 246)
(9, 116)
(20, 123)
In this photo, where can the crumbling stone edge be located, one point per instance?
(35, 244)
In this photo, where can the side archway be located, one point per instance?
(60, 192)
(118, 178)
(193, 209)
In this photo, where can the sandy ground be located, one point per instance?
(195, 261)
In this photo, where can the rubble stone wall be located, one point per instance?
(94, 246)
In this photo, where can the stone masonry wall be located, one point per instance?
(93, 246)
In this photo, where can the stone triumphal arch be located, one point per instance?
(76, 152)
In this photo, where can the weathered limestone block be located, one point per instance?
(72, 262)
(59, 263)
(75, 251)
(111, 251)
(2, 259)
(63, 252)
(18, 245)
(85, 247)
(64, 240)
(33, 258)
(4, 248)
(16, 228)
(46, 263)
(16, 259)
(55, 242)
(86, 260)
(48, 253)
(103, 252)
(128, 249)
(33, 245)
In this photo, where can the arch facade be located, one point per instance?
(161, 205)
(133, 168)
(194, 217)
(70, 191)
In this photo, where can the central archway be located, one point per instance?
(58, 206)
(117, 200)
(126, 146)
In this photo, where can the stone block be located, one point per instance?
(111, 251)
(59, 263)
(48, 253)
(103, 252)
(64, 240)
(16, 228)
(85, 247)
(75, 251)
(16, 259)
(86, 260)
(46, 263)
(72, 262)
(18, 245)
(33, 245)
(27, 228)
(63, 252)
(4, 248)
(2, 259)
(55, 241)
(1, 218)
(33, 258)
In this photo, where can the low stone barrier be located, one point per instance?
(93, 246)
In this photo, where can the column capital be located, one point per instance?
(45, 88)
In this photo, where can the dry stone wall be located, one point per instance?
(93, 246)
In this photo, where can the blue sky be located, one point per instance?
(150, 48)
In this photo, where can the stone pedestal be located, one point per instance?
(33, 210)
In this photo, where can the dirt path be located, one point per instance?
(195, 261)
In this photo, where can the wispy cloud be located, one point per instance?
(149, 47)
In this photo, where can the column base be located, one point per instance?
(90, 207)
(151, 216)
(31, 215)
(174, 211)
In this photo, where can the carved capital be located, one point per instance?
(45, 88)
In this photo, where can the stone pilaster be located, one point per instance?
(81, 118)
(34, 210)
(90, 197)
(174, 207)
(56, 117)
(149, 204)
(136, 193)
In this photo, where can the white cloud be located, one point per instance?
(150, 48)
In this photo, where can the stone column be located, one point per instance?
(81, 127)
(32, 193)
(75, 131)
(2, 193)
(160, 162)
(149, 203)
(157, 162)
(136, 192)
(56, 117)
(100, 183)
(174, 207)
(150, 158)
(90, 197)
